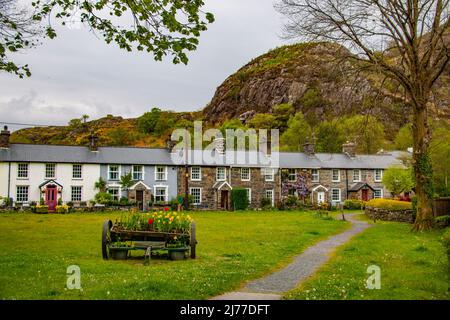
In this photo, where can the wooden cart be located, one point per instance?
(144, 240)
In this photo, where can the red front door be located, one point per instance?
(51, 195)
(365, 195)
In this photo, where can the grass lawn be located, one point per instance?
(35, 251)
(413, 266)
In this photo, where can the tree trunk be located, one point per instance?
(422, 169)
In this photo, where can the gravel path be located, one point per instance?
(304, 265)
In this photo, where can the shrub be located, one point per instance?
(60, 202)
(124, 201)
(354, 204)
(103, 198)
(41, 209)
(393, 205)
(446, 241)
(239, 198)
(291, 202)
(443, 221)
(266, 203)
(62, 209)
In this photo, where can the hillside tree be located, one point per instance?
(404, 41)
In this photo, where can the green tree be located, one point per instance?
(440, 157)
(121, 137)
(296, 135)
(404, 138)
(170, 27)
(263, 121)
(329, 137)
(126, 182)
(398, 180)
(366, 131)
(149, 120)
(100, 185)
(282, 113)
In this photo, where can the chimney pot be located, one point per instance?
(93, 143)
(309, 148)
(349, 148)
(4, 137)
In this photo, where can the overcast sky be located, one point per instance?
(78, 73)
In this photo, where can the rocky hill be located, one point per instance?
(313, 77)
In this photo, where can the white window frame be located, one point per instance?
(73, 171)
(199, 195)
(20, 171)
(158, 173)
(72, 193)
(272, 197)
(119, 192)
(358, 179)
(375, 175)
(248, 176)
(381, 194)
(199, 173)
(249, 195)
(339, 175)
(218, 178)
(133, 172)
(22, 200)
(315, 177)
(115, 172)
(166, 197)
(332, 193)
(269, 174)
(292, 174)
(46, 171)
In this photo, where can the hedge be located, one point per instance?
(393, 205)
(239, 197)
(354, 204)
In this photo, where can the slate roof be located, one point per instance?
(148, 156)
(358, 186)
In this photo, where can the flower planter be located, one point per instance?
(119, 254)
(177, 253)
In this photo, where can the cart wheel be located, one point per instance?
(106, 238)
(193, 242)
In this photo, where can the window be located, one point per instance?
(77, 171)
(115, 192)
(196, 194)
(249, 195)
(363, 175)
(22, 170)
(22, 194)
(378, 175)
(221, 174)
(315, 175)
(356, 175)
(161, 173)
(160, 194)
(76, 193)
(270, 195)
(196, 174)
(50, 171)
(113, 172)
(292, 177)
(336, 175)
(245, 174)
(336, 195)
(138, 173)
(378, 193)
(269, 174)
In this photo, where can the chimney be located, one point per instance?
(349, 148)
(170, 144)
(308, 148)
(4, 137)
(93, 143)
(219, 145)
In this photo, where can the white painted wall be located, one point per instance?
(36, 176)
(3, 179)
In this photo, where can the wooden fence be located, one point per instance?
(441, 207)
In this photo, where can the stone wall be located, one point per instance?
(387, 215)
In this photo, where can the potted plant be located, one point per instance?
(119, 250)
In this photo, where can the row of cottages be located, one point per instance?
(31, 172)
